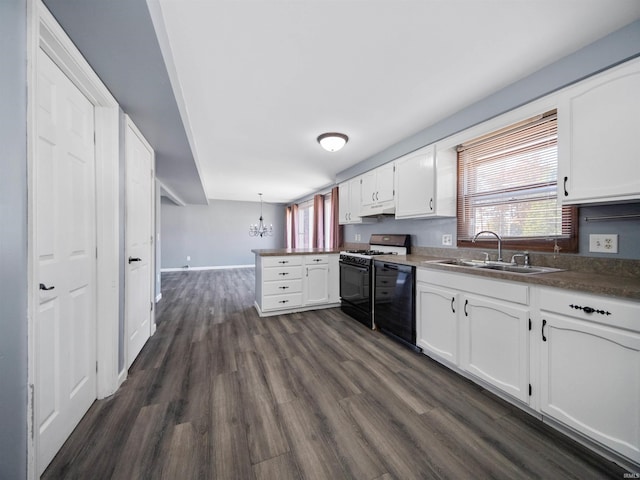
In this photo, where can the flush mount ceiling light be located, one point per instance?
(332, 141)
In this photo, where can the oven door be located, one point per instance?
(355, 285)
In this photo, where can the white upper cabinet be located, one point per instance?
(599, 155)
(377, 191)
(349, 202)
(425, 184)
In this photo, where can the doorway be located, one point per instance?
(73, 249)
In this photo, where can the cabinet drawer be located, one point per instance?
(281, 273)
(502, 290)
(278, 302)
(316, 259)
(285, 261)
(282, 287)
(605, 310)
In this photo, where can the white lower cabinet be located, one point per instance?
(480, 325)
(494, 343)
(437, 326)
(293, 283)
(590, 367)
(316, 280)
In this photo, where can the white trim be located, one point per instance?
(307, 308)
(187, 269)
(44, 32)
(168, 193)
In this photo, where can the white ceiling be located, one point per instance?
(258, 81)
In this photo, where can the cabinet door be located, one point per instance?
(495, 344)
(415, 184)
(385, 183)
(599, 156)
(590, 380)
(344, 202)
(437, 321)
(368, 189)
(316, 284)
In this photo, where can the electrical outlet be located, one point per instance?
(447, 239)
(188, 258)
(357, 237)
(603, 243)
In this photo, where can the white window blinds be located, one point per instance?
(507, 184)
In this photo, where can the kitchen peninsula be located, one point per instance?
(294, 280)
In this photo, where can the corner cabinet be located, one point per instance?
(294, 283)
(598, 155)
(590, 367)
(425, 184)
(319, 288)
(349, 198)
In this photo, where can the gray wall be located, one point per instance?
(605, 53)
(428, 232)
(13, 240)
(217, 234)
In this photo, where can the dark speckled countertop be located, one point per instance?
(275, 252)
(596, 283)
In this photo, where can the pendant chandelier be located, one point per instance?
(260, 229)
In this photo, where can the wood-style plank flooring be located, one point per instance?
(219, 393)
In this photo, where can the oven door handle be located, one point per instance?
(356, 267)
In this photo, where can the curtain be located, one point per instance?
(292, 226)
(317, 240)
(335, 229)
(288, 227)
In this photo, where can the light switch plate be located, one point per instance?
(603, 243)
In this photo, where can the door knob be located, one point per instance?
(134, 259)
(44, 287)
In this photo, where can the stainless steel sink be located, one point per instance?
(499, 266)
(459, 262)
(523, 270)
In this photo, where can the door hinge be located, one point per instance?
(151, 309)
(530, 390)
(529, 324)
(96, 367)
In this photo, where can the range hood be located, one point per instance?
(375, 210)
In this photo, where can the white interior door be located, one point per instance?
(65, 259)
(139, 252)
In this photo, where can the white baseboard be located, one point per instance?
(187, 269)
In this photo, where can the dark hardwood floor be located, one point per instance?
(219, 393)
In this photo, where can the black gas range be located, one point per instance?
(356, 274)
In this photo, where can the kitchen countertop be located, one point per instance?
(596, 283)
(274, 252)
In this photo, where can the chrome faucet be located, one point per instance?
(524, 256)
(495, 235)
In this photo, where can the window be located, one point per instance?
(305, 224)
(306, 219)
(507, 183)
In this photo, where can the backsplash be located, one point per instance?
(428, 232)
